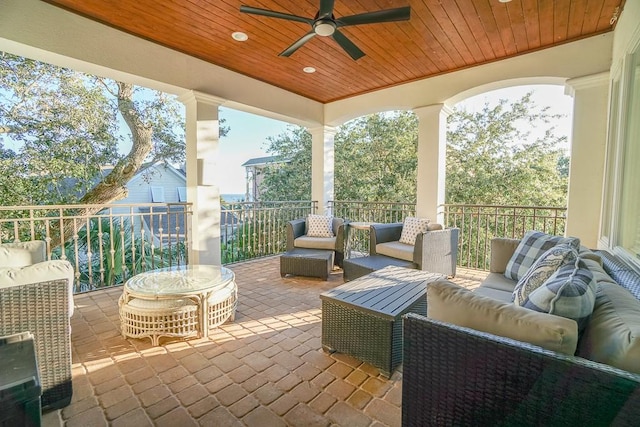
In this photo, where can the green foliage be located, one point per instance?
(491, 161)
(59, 126)
(290, 179)
(375, 160)
(109, 253)
(55, 124)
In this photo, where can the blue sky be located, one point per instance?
(249, 132)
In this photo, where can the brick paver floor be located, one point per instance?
(264, 369)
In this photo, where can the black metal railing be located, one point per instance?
(251, 230)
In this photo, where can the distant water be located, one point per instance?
(230, 198)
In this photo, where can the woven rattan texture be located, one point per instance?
(294, 262)
(455, 376)
(43, 309)
(221, 311)
(162, 321)
(363, 335)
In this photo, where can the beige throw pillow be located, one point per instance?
(319, 226)
(451, 303)
(411, 227)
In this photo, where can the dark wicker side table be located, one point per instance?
(363, 318)
(307, 262)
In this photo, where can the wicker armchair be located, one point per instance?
(296, 238)
(43, 309)
(454, 376)
(435, 251)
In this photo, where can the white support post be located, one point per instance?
(202, 135)
(322, 163)
(432, 150)
(588, 153)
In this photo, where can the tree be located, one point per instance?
(375, 160)
(492, 161)
(291, 178)
(58, 127)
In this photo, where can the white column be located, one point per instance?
(322, 161)
(203, 165)
(588, 153)
(432, 150)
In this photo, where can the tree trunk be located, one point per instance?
(113, 186)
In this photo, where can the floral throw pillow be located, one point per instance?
(410, 229)
(542, 269)
(319, 226)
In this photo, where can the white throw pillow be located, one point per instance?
(319, 226)
(411, 227)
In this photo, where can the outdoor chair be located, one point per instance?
(299, 235)
(416, 243)
(434, 250)
(36, 297)
(314, 245)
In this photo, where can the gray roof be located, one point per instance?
(259, 161)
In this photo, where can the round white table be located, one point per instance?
(180, 301)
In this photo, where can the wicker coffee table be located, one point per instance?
(177, 302)
(363, 317)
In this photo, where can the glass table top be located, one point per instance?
(180, 280)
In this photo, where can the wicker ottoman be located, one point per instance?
(363, 317)
(307, 262)
(358, 267)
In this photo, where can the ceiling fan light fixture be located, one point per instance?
(324, 28)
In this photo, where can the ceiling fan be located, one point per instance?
(326, 24)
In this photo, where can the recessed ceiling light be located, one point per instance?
(309, 70)
(239, 36)
(504, 1)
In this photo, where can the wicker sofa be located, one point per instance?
(461, 374)
(36, 296)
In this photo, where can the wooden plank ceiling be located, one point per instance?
(441, 36)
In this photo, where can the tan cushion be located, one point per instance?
(411, 227)
(612, 335)
(502, 250)
(22, 254)
(451, 303)
(40, 272)
(497, 294)
(498, 281)
(315, 242)
(395, 250)
(434, 226)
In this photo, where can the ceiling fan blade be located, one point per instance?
(295, 46)
(387, 15)
(326, 8)
(273, 14)
(353, 50)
